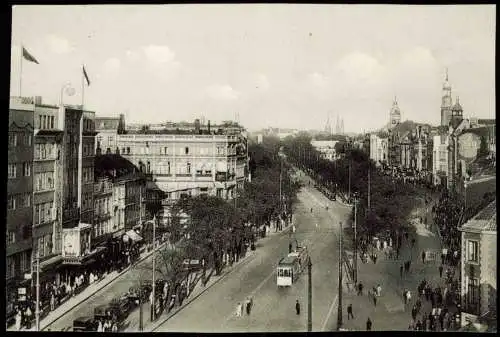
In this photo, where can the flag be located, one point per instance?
(86, 76)
(28, 56)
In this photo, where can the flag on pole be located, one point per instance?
(27, 56)
(86, 76)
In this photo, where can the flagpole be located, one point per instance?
(83, 86)
(21, 74)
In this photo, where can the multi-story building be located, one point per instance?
(326, 148)
(87, 153)
(379, 149)
(48, 187)
(103, 211)
(108, 129)
(440, 159)
(479, 266)
(19, 198)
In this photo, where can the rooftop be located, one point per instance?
(485, 220)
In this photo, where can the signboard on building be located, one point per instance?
(71, 242)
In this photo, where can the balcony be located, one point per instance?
(103, 188)
(224, 176)
(71, 214)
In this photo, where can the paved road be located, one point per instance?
(122, 284)
(274, 309)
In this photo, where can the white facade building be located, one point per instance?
(379, 149)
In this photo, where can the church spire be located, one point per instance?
(446, 74)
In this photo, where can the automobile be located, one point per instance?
(85, 323)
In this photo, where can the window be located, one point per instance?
(48, 211)
(37, 214)
(199, 172)
(188, 168)
(11, 267)
(27, 200)
(473, 295)
(42, 213)
(165, 149)
(51, 122)
(29, 140)
(110, 139)
(12, 171)
(186, 150)
(472, 251)
(27, 169)
(44, 122)
(208, 172)
(11, 202)
(11, 237)
(168, 167)
(12, 139)
(128, 150)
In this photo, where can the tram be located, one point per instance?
(290, 267)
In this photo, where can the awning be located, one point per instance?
(133, 235)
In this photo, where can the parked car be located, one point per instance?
(84, 324)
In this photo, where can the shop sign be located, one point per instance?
(21, 291)
(71, 243)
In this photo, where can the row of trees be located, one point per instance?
(219, 231)
(390, 203)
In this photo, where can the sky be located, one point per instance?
(278, 65)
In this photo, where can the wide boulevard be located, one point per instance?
(274, 308)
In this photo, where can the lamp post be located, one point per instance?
(339, 308)
(153, 301)
(355, 239)
(309, 297)
(37, 310)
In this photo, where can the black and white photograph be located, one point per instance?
(251, 168)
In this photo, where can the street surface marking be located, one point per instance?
(329, 312)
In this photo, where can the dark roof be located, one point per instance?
(105, 165)
(486, 121)
(49, 132)
(485, 220)
(457, 107)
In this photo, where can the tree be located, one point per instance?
(483, 148)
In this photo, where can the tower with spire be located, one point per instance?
(341, 125)
(395, 114)
(446, 102)
(456, 113)
(328, 127)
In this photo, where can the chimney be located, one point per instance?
(209, 126)
(197, 126)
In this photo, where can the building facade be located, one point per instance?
(379, 149)
(326, 148)
(479, 265)
(19, 220)
(103, 210)
(48, 187)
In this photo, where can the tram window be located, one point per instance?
(287, 273)
(280, 272)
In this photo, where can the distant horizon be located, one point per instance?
(294, 65)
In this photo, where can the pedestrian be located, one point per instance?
(418, 326)
(405, 298)
(379, 290)
(411, 326)
(401, 271)
(114, 328)
(99, 326)
(360, 288)
(349, 312)
(52, 302)
(441, 271)
(368, 324)
(412, 242)
(374, 295)
(289, 248)
(297, 307)
(19, 319)
(423, 256)
(248, 305)
(238, 310)
(374, 258)
(414, 312)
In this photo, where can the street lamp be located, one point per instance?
(309, 298)
(339, 308)
(70, 91)
(355, 239)
(153, 301)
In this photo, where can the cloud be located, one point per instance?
(158, 55)
(318, 80)
(132, 55)
(359, 66)
(222, 92)
(112, 64)
(262, 82)
(59, 45)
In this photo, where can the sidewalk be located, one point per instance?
(390, 313)
(81, 297)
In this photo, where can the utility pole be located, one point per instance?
(153, 302)
(355, 241)
(37, 311)
(309, 297)
(141, 315)
(339, 308)
(369, 188)
(349, 194)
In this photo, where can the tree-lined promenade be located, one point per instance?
(383, 205)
